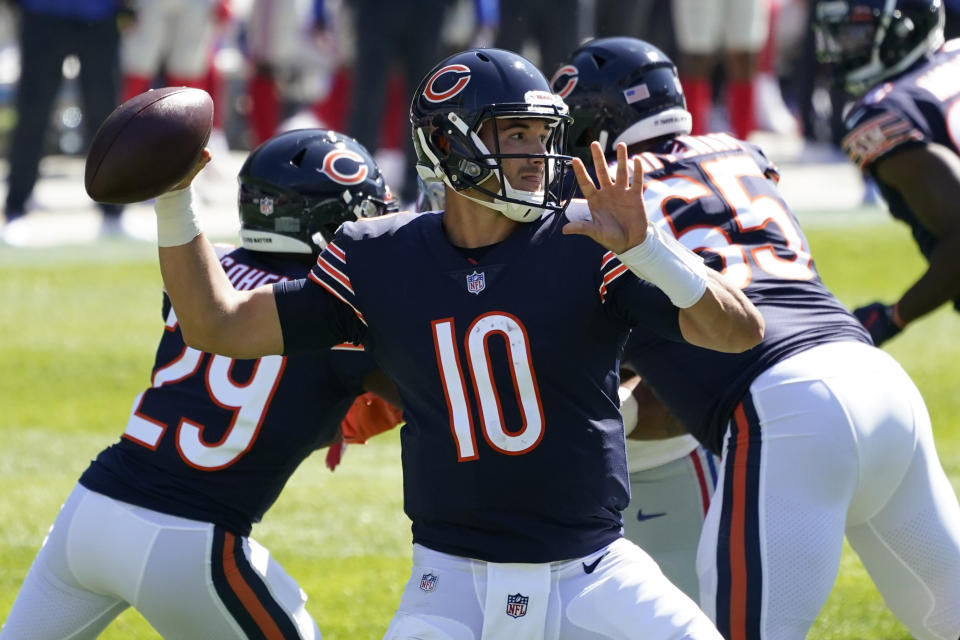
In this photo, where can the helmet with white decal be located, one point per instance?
(620, 90)
(297, 188)
(452, 103)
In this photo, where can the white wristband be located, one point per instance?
(176, 220)
(664, 262)
(628, 409)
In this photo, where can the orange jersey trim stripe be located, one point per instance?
(610, 277)
(337, 252)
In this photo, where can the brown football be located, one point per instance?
(148, 144)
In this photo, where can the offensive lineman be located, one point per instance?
(820, 433)
(513, 458)
(160, 520)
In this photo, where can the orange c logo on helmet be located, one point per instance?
(330, 170)
(463, 77)
(573, 75)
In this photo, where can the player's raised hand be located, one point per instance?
(619, 219)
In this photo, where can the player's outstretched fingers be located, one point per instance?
(587, 188)
(623, 177)
(600, 166)
(637, 173)
(638, 185)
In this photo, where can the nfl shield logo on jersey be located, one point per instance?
(476, 282)
(517, 605)
(428, 582)
(266, 205)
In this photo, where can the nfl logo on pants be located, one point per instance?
(517, 605)
(428, 582)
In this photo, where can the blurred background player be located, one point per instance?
(733, 31)
(388, 59)
(293, 47)
(50, 31)
(392, 44)
(160, 520)
(614, 18)
(543, 30)
(904, 133)
(820, 433)
(170, 38)
(172, 43)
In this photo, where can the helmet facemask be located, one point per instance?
(457, 156)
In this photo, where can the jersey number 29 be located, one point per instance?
(247, 402)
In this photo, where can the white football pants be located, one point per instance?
(615, 593)
(832, 441)
(189, 579)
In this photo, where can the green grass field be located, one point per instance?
(78, 328)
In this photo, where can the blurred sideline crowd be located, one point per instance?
(351, 65)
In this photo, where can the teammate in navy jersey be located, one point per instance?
(501, 320)
(160, 520)
(820, 433)
(905, 133)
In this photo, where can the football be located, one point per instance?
(148, 144)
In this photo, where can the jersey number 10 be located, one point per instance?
(511, 331)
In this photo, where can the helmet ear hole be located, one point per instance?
(440, 142)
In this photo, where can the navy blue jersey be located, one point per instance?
(216, 439)
(917, 107)
(718, 197)
(513, 447)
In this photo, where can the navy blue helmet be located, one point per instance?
(297, 188)
(869, 41)
(452, 102)
(620, 90)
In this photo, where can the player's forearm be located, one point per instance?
(940, 283)
(202, 296)
(713, 313)
(723, 319)
(213, 316)
(928, 178)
